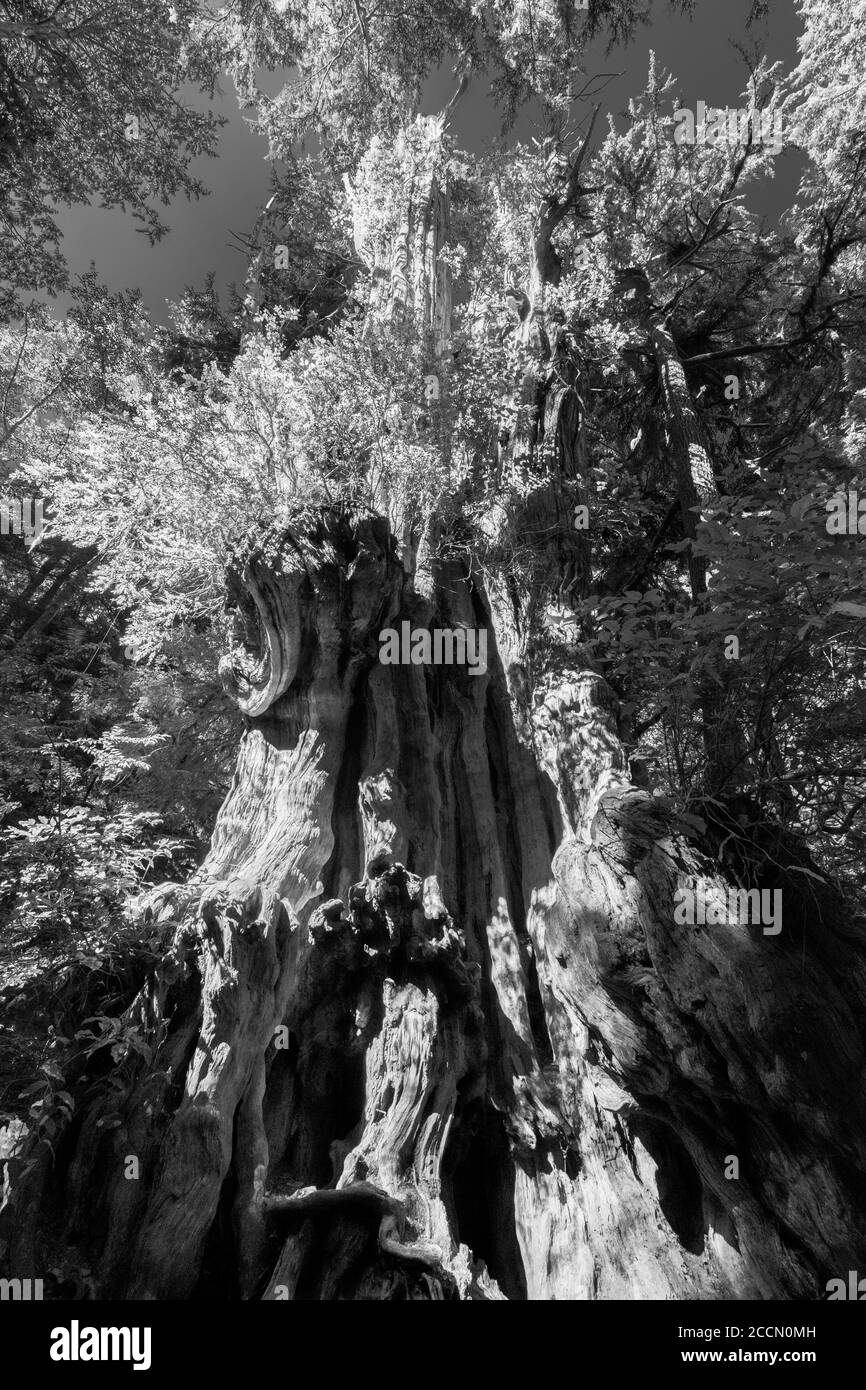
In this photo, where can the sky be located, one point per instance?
(700, 52)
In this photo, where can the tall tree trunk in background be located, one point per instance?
(426, 1025)
(694, 485)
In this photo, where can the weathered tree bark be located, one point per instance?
(426, 1026)
(505, 1051)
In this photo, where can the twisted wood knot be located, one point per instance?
(394, 916)
(279, 583)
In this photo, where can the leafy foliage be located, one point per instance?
(89, 109)
(158, 450)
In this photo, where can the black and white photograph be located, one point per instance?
(433, 668)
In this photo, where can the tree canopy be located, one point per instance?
(94, 105)
(156, 450)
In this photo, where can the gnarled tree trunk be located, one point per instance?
(426, 1025)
